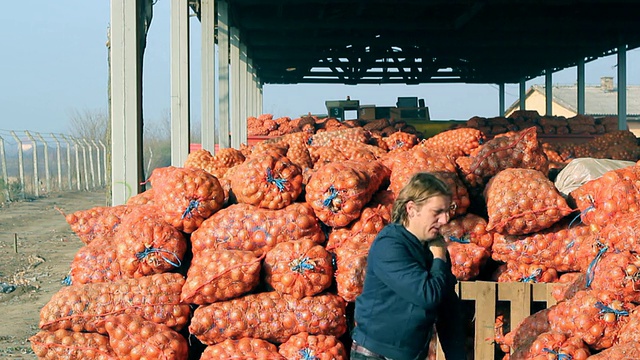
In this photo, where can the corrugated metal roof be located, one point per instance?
(597, 100)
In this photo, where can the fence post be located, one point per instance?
(84, 163)
(98, 167)
(36, 178)
(59, 158)
(20, 163)
(93, 173)
(104, 161)
(78, 182)
(47, 175)
(69, 162)
(5, 176)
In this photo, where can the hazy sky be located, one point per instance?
(54, 61)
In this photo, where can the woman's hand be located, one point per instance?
(439, 248)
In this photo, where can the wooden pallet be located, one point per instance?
(486, 295)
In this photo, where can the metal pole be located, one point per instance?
(70, 182)
(20, 163)
(104, 158)
(523, 94)
(59, 158)
(622, 88)
(78, 182)
(47, 176)
(98, 168)
(93, 173)
(501, 101)
(36, 179)
(84, 164)
(5, 176)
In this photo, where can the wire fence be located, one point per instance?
(34, 164)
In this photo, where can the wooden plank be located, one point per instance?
(543, 292)
(519, 295)
(485, 296)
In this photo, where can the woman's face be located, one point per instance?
(424, 220)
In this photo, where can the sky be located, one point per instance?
(53, 62)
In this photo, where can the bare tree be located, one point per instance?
(90, 124)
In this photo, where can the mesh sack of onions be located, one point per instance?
(144, 198)
(467, 259)
(523, 201)
(400, 141)
(97, 222)
(562, 247)
(621, 232)
(321, 155)
(629, 331)
(349, 147)
(353, 134)
(94, 263)
(595, 316)
(84, 307)
(337, 192)
(217, 164)
(524, 333)
(269, 316)
(614, 192)
(267, 181)
(276, 149)
(244, 348)
(66, 344)
(216, 275)
(247, 227)
(351, 265)
(618, 273)
(185, 196)
(407, 163)
(460, 195)
(298, 268)
(318, 347)
(520, 150)
(456, 142)
(568, 284)
(146, 244)
(298, 153)
(527, 273)
(622, 351)
(469, 227)
(133, 337)
(553, 345)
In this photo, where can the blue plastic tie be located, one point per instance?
(193, 204)
(605, 309)
(301, 265)
(333, 193)
(533, 277)
(558, 355)
(570, 244)
(462, 240)
(593, 264)
(307, 354)
(591, 207)
(67, 281)
(310, 141)
(142, 254)
(280, 183)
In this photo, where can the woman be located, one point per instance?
(409, 286)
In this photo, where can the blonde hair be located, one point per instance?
(421, 187)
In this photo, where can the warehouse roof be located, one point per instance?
(415, 41)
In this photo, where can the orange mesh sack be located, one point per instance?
(614, 192)
(216, 275)
(618, 273)
(553, 345)
(351, 265)
(144, 198)
(244, 348)
(247, 227)
(267, 181)
(468, 228)
(561, 247)
(84, 307)
(403, 165)
(351, 149)
(567, 285)
(523, 201)
(629, 331)
(467, 259)
(131, 337)
(186, 196)
(400, 141)
(324, 154)
(97, 262)
(69, 345)
(455, 143)
(354, 134)
(515, 272)
(594, 316)
(299, 268)
(337, 192)
(147, 245)
(519, 150)
(97, 222)
(319, 347)
(621, 232)
(528, 329)
(269, 316)
(622, 351)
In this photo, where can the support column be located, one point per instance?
(234, 59)
(243, 93)
(548, 91)
(622, 87)
(223, 73)
(126, 101)
(209, 99)
(501, 102)
(581, 87)
(180, 95)
(523, 94)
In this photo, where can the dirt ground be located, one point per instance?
(45, 248)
